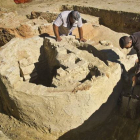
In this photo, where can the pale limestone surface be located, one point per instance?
(114, 54)
(72, 101)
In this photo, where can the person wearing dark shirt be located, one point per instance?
(129, 41)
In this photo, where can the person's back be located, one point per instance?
(66, 22)
(128, 42)
(136, 40)
(62, 19)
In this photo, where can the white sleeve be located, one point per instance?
(79, 24)
(58, 22)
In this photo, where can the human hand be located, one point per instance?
(58, 39)
(137, 60)
(134, 79)
(83, 40)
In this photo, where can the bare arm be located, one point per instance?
(56, 32)
(81, 34)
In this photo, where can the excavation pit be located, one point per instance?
(59, 87)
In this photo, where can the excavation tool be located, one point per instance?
(129, 103)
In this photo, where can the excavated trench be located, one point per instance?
(115, 127)
(118, 21)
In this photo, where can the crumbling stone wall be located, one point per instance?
(72, 101)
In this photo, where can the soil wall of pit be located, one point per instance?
(116, 20)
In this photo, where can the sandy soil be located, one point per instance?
(47, 5)
(115, 128)
(16, 130)
(119, 5)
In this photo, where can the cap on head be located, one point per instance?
(124, 41)
(75, 15)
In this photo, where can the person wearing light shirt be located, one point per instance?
(66, 22)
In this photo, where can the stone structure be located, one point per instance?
(76, 82)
